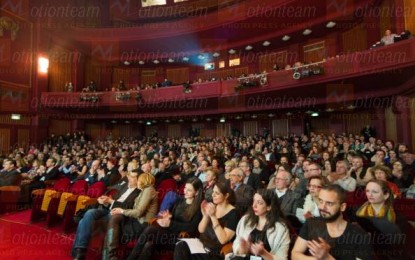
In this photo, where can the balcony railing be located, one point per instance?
(388, 58)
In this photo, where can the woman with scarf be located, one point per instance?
(378, 217)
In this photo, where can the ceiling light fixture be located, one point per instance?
(126, 63)
(286, 38)
(222, 120)
(330, 24)
(266, 43)
(170, 60)
(232, 51)
(307, 32)
(248, 48)
(156, 61)
(315, 114)
(141, 62)
(185, 58)
(216, 54)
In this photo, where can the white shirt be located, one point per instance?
(124, 196)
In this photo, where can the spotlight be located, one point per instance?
(148, 123)
(314, 114)
(222, 120)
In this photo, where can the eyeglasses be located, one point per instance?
(280, 179)
(314, 186)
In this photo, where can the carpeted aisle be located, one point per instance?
(21, 240)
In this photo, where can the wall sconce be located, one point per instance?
(43, 65)
(15, 116)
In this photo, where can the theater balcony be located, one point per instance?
(348, 80)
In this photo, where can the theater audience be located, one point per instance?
(9, 175)
(287, 199)
(243, 192)
(210, 180)
(127, 224)
(216, 228)
(163, 235)
(383, 173)
(310, 207)
(378, 217)
(359, 172)
(388, 38)
(263, 232)
(341, 177)
(123, 199)
(324, 237)
(250, 178)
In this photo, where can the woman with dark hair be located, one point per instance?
(263, 231)
(216, 228)
(184, 217)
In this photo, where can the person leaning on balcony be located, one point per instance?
(388, 38)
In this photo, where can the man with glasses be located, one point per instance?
(287, 199)
(310, 169)
(330, 236)
(250, 178)
(243, 193)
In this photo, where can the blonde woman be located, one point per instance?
(127, 224)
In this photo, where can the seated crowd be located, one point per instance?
(257, 193)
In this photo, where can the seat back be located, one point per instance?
(164, 187)
(80, 187)
(96, 189)
(406, 207)
(62, 185)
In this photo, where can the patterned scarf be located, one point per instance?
(366, 210)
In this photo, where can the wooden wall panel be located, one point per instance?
(94, 130)
(354, 39)
(390, 125)
(314, 52)
(280, 127)
(4, 140)
(6, 120)
(320, 125)
(59, 127)
(223, 129)
(354, 123)
(92, 72)
(385, 20)
(412, 122)
(174, 130)
(409, 15)
(178, 75)
(148, 76)
(267, 61)
(23, 137)
(60, 65)
(250, 128)
(121, 74)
